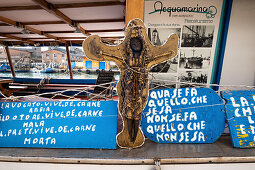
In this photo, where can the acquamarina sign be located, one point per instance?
(159, 7)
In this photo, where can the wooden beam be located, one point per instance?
(110, 30)
(134, 9)
(16, 38)
(18, 24)
(49, 7)
(62, 38)
(6, 48)
(76, 21)
(48, 43)
(43, 22)
(61, 32)
(14, 8)
(86, 37)
(7, 33)
(42, 38)
(4, 24)
(9, 21)
(69, 60)
(42, 43)
(100, 20)
(90, 31)
(69, 5)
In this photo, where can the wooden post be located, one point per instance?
(134, 9)
(69, 61)
(6, 48)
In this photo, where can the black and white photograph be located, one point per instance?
(158, 36)
(197, 36)
(165, 80)
(193, 76)
(194, 58)
(169, 66)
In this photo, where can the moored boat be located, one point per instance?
(48, 70)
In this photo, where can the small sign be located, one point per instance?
(185, 115)
(240, 113)
(59, 124)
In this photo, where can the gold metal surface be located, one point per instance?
(134, 57)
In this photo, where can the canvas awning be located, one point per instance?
(55, 22)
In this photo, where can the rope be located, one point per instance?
(152, 81)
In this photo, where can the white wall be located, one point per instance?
(239, 59)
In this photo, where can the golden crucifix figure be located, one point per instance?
(134, 57)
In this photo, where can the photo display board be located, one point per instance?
(197, 25)
(59, 124)
(240, 113)
(184, 115)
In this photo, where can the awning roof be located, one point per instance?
(51, 21)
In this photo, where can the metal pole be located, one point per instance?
(9, 60)
(69, 61)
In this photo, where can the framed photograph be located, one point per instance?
(194, 58)
(194, 76)
(197, 35)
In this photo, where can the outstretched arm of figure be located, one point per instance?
(165, 52)
(95, 49)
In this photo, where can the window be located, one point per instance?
(47, 56)
(54, 55)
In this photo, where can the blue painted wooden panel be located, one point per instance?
(185, 115)
(240, 113)
(101, 65)
(88, 64)
(60, 124)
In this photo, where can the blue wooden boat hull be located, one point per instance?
(53, 81)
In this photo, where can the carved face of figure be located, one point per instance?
(136, 44)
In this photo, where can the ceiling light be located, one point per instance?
(25, 31)
(37, 44)
(77, 30)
